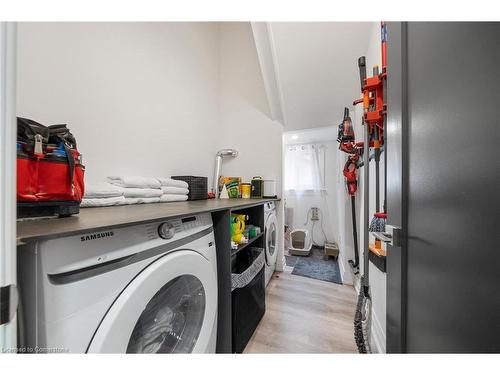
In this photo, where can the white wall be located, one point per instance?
(152, 98)
(141, 98)
(8, 252)
(378, 278)
(245, 120)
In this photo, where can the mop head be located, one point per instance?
(366, 322)
(378, 222)
(358, 325)
(362, 320)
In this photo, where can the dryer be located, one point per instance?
(270, 237)
(149, 288)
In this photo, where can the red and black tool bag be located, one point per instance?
(50, 175)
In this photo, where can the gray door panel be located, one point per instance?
(452, 151)
(396, 127)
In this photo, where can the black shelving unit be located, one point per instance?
(226, 258)
(244, 245)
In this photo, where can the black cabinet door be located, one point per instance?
(443, 187)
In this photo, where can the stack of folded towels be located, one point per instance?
(102, 194)
(173, 190)
(120, 190)
(137, 189)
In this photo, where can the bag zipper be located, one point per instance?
(52, 159)
(38, 151)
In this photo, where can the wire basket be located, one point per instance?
(198, 186)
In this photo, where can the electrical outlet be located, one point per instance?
(314, 213)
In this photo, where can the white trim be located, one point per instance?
(280, 259)
(378, 337)
(347, 278)
(8, 170)
(356, 282)
(279, 86)
(267, 61)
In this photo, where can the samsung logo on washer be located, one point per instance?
(96, 236)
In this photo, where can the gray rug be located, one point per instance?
(315, 266)
(290, 260)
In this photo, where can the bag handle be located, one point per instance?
(62, 134)
(71, 161)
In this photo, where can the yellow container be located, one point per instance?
(246, 188)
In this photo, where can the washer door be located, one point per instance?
(270, 239)
(170, 307)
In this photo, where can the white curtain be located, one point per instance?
(304, 167)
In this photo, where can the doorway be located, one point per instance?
(311, 206)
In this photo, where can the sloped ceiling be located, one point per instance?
(316, 69)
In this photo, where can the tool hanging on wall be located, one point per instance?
(378, 221)
(383, 33)
(345, 135)
(352, 186)
(362, 316)
(374, 121)
(378, 254)
(347, 144)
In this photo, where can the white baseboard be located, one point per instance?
(357, 287)
(342, 269)
(377, 335)
(346, 274)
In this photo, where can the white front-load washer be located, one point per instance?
(149, 288)
(270, 236)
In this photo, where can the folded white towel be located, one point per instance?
(174, 190)
(103, 202)
(102, 190)
(165, 181)
(141, 193)
(141, 200)
(135, 182)
(173, 198)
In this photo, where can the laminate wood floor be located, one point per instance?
(304, 315)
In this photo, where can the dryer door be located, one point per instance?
(270, 239)
(170, 307)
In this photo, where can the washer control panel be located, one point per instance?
(166, 230)
(169, 228)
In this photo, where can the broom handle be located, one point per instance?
(383, 33)
(366, 171)
(362, 71)
(354, 230)
(377, 186)
(366, 204)
(377, 169)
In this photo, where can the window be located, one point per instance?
(304, 167)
